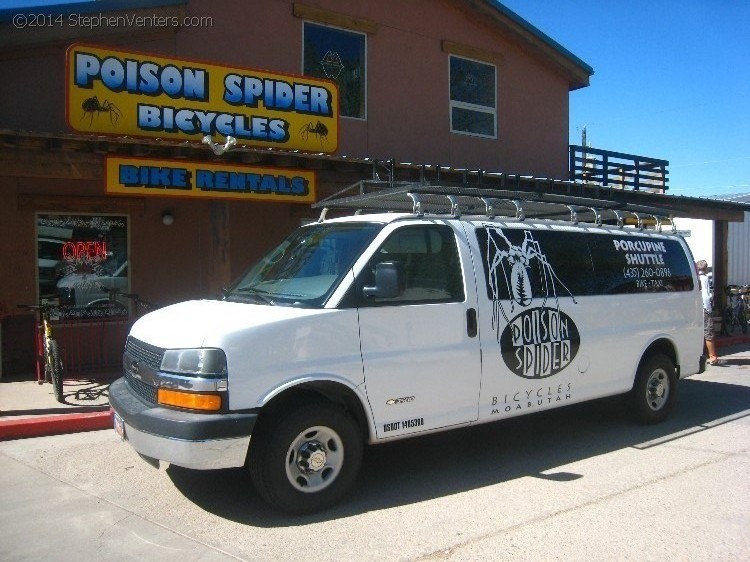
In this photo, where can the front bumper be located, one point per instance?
(191, 440)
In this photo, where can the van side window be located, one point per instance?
(521, 264)
(631, 264)
(428, 256)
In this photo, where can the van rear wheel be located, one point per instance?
(655, 390)
(306, 460)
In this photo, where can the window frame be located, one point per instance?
(447, 234)
(364, 73)
(78, 310)
(471, 106)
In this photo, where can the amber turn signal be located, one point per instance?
(189, 400)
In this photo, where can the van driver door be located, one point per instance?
(420, 349)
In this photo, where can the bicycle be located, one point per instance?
(47, 350)
(745, 298)
(734, 312)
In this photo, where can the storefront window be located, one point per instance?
(472, 97)
(338, 55)
(81, 259)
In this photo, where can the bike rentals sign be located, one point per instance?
(181, 178)
(135, 94)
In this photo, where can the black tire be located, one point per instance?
(655, 389)
(305, 460)
(56, 371)
(48, 367)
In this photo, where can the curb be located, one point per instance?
(726, 341)
(40, 426)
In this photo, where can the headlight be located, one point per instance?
(201, 362)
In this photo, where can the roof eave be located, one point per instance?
(576, 70)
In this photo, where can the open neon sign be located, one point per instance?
(95, 251)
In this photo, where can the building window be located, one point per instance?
(340, 56)
(79, 259)
(473, 99)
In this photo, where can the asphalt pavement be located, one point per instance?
(578, 483)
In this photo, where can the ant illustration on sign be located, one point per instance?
(92, 106)
(319, 130)
(511, 266)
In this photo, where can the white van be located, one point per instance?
(374, 327)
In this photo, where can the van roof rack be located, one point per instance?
(442, 198)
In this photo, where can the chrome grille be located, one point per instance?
(149, 355)
(144, 391)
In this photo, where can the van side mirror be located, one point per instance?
(389, 281)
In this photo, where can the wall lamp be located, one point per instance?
(167, 218)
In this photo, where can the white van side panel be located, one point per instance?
(268, 348)
(422, 369)
(613, 339)
(566, 348)
(275, 356)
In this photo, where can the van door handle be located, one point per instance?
(471, 322)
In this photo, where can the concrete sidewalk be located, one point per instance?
(28, 409)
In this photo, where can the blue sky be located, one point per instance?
(671, 80)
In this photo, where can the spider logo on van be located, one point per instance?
(510, 264)
(535, 341)
(539, 342)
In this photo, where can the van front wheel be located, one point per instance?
(655, 389)
(306, 460)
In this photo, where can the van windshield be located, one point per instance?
(306, 267)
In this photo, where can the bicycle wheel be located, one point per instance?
(47, 366)
(55, 366)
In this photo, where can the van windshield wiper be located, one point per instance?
(263, 296)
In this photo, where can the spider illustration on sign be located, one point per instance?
(510, 264)
(318, 129)
(93, 107)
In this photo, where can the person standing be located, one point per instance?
(708, 321)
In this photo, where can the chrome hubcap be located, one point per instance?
(657, 389)
(311, 457)
(314, 459)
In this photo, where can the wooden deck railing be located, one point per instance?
(618, 170)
